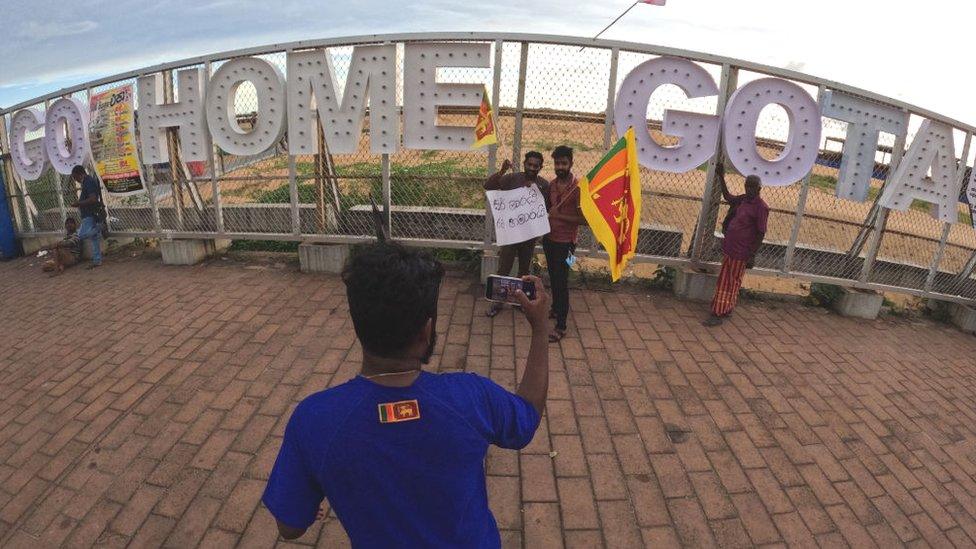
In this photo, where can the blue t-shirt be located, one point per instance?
(410, 483)
(89, 187)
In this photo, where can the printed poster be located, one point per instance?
(113, 141)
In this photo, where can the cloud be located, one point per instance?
(134, 33)
(33, 30)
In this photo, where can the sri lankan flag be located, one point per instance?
(394, 412)
(610, 198)
(484, 129)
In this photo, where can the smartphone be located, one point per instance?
(501, 289)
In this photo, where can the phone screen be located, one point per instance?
(502, 289)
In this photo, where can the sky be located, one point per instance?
(912, 51)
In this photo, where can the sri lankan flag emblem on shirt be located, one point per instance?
(393, 412)
(610, 198)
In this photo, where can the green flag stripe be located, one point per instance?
(620, 145)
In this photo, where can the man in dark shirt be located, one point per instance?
(398, 452)
(504, 181)
(90, 207)
(743, 231)
(67, 252)
(565, 217)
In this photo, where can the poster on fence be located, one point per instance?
(113, 140)
(519, 214)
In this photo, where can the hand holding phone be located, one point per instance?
(536, 307)
(503, 289)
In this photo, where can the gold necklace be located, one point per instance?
(385, 374)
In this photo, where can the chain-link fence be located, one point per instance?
(546, 91)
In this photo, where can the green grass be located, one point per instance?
(264, 246)
(823, 182)
(442, 183)
(828, 184)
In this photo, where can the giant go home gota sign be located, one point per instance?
(205, 112)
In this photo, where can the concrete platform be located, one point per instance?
(190, 251)
(695, 285)
(859, 303)
(322, 258)
(963, 317)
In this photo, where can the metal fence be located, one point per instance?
(546, 91)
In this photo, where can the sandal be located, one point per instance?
(494, 310)
(557, 335)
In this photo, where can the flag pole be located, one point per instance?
(612, 22)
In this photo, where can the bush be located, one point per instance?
(663, 278)
(824, 295)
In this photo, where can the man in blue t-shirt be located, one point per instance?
(398, 452)
(92, 210)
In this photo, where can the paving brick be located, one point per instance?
(542, 526)
(896, 519)
(190, 529)
(812, 511)
(237, 509)
(730, 533)
(671, 474)
(608, 480)
(582, 539)
(648, 500)
(569, 460)
(714, 500)
(576, 502)
(135, 511)
(163, 427)
(689, 521)
(619, 529)
(795, 532)
(538, 478)
(754, 517)
(729, 472)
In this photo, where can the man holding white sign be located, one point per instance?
(519, 213)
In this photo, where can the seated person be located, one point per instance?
(67, 252)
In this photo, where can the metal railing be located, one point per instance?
(546, 92)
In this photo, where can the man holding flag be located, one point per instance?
(565, 218)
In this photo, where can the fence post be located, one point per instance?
(6, 172)
(946, 227)
(710, 199)
(801, 203)
(496, 86)
(881, 220)
(519, 104)
(213, 161)
(611, 96)
(296, 224)
(387, 194)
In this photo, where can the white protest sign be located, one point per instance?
(520, 214)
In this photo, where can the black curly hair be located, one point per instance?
(392, 293)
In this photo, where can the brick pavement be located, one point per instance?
(144, 405)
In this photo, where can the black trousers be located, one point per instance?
(523, 251)
(556, 254)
